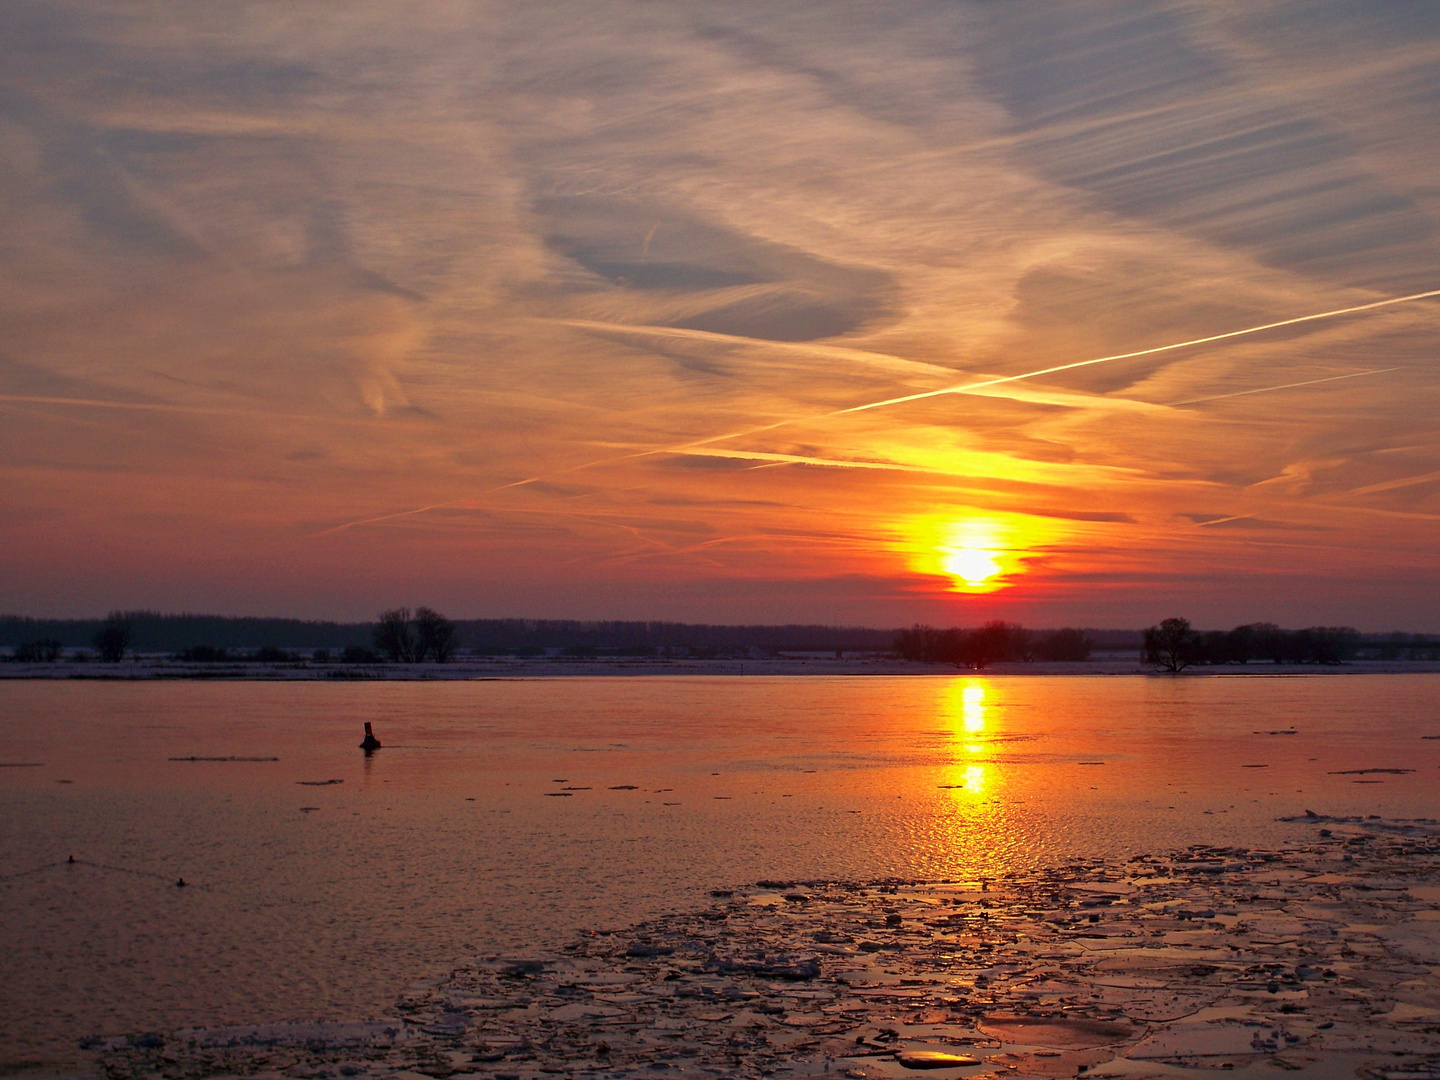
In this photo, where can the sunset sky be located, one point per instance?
(573, 310)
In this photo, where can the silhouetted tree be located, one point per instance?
(434, 635)
(911, 644)
(395, 637)
(929, 644)
(992, 643)
(112, 639)
(1172, 645)
(1267, 642)
(979, 648)
(1239, 646)
(1330, 644)
(1066, 644)
(43, 651)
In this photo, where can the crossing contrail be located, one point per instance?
(958, 388)
(1281, 386)
(962, 388)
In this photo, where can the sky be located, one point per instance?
(740, 312)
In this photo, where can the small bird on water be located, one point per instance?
(370, 743)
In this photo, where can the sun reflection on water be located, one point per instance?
(972, 707)
(975, 779)
(964, 710)
(974, 829)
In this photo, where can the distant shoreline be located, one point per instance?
(155, 669)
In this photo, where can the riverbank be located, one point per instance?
(147, 668)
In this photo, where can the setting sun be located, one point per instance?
(979, 554)
(973, 566)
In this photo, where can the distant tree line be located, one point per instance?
(111, 639)
(1174, 645)
(1398, 646)
(154, 632)
(425, 635)
(398, 636)
(39, 651)
(992, 643)
(635, 638)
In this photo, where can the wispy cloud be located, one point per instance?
(325, 312)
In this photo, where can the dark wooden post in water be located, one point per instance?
(371, 743)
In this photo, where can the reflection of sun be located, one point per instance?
(972, 708)
(975, 778)
(964, 706)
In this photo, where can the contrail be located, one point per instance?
(191, 410)
(962, 388)
(1392, 485)
(1282, 386)
(981, 384)
(959, 388)
(1223, 520)
(142, 406)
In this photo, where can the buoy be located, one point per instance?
(370, 742)
(71, 859)
(180, 884)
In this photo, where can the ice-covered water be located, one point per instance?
(507, 814)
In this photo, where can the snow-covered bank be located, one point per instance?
(159, 668)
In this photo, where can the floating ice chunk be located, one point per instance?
(1056, 1033)
(1204, 1039)
(582, 1010)
(933, 1059)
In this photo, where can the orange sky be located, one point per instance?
(566, 310)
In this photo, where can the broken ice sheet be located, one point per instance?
(1315, 958)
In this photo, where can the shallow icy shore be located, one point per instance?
(1321, 959)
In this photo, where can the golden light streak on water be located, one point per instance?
(964, 707)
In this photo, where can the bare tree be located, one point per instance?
(1172, 645)
(394, 636)
(992, 643)
(112, 639)
(1066, 644)
(434, 635)
(43, 651)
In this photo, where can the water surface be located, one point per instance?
(506, 814)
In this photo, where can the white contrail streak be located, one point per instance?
(959, 388)
(1000, 380)
(183, 410)
(141, 406)
(962, 388)
(1393, 485)
(1282, 386)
